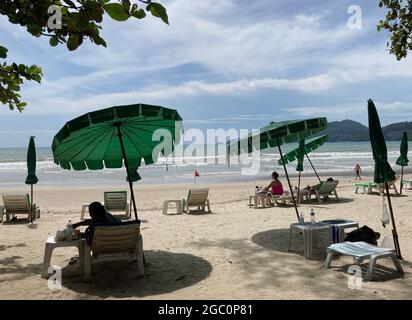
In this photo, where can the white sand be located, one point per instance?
(235, 253)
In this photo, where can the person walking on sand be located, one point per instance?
(358, 171)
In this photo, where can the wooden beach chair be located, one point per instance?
(325, 189)
(17, 204)
(197, 198)
(361, 251)
(114, 242)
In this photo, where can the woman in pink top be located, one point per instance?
(275, 187)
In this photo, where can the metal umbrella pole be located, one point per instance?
(394, 232)
(127, 169)
(312, 167)
(290, 186)
(401, 180)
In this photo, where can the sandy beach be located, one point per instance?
(236, 252)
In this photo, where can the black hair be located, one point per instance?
(97, 211)
(330, 179)
(275, 175)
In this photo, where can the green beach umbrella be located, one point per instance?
(303, 150)
(274, 135)
(31, 172)
(117, 136)
(403, 158)
(383, 171)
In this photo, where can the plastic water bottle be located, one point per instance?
(301, 219)
(312, 216)
(69, 231)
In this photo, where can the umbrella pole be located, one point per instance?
(31, 203)
(127, 169)
(299, 188)
(394, 232)
(290, 186)
(312, 167)
(401, 179)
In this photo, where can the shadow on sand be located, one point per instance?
(277, 240)
(165, 272)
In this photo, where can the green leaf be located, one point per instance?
(159, 11)
(139, 14)
(73, 43)
(54, 41)
(34, 29)
(116, 11)
(3, 52)
(98, 40)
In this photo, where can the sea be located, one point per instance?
(331, 159)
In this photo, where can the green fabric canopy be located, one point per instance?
(403, 158)
(278, 133)
(31, 163)
(299, 155)
(109, 137)
(91, 141)
(308, 146)
(31, 172)
(383, 170)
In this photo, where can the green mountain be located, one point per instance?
(348, 130)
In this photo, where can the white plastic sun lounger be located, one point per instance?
(17, 204)
(361, 251)
(197, 198)
(115, 242)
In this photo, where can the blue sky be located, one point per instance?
(222, 64)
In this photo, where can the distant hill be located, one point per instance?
(348, 130)
(394, 131)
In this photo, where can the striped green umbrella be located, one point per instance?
(274, 135)
(301, 151)
(31, 172)
(111, 137)
(403, 158)
(383, 171)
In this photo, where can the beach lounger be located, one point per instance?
(325, 189)
(114, 201)
(197, 198)
(381, 186)
(17, 204)
(366, 187)
(407, 184)
(112, 243)
(361, 251)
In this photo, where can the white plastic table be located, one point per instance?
(178, 203)
(316, 238)
(51, 244)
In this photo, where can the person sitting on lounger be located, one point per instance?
(98, 215)
(275, 187)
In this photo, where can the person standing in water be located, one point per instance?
(358, 171)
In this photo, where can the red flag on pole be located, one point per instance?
(197, 174)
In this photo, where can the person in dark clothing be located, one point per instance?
(98, 215)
